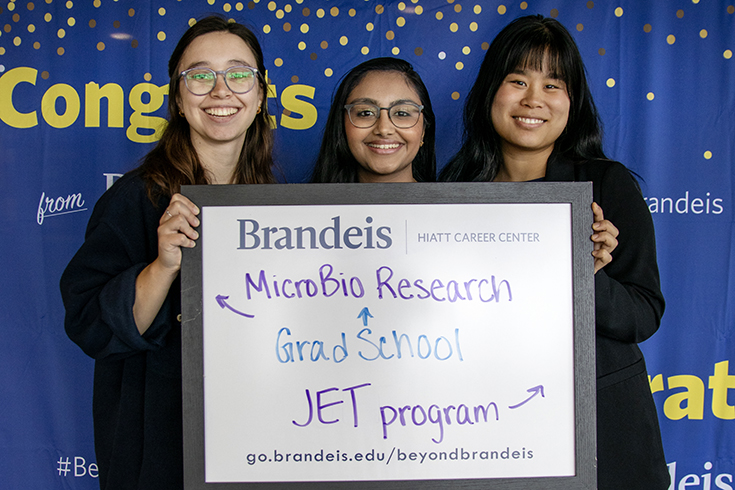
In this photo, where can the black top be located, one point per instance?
(137, 379)
(628, 310)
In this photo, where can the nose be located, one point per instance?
(532, 96)
(384, 125)
(220, 87)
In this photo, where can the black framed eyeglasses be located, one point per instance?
(201, 81)
(403, 115)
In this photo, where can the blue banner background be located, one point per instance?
(662, 74)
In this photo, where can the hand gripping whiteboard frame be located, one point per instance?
(578, 195)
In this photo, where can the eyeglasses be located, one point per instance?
(201, 81)
(403, 115)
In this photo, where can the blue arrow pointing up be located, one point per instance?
(364, 314)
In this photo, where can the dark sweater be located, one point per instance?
(137, 379)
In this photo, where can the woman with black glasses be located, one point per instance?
(380, 127)
(121, 290)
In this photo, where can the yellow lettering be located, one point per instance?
(657, 384)
(48, 106)
(290, 102)
(140, 121)
(693, 396)
(8, 113)
(272, 94)
(719, 383)
(93, 94)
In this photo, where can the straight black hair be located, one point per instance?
(526, 43)
(335, 163)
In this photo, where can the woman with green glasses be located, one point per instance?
(121, 290)
(380, 127)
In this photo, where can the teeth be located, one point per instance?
(384, 147)
(529, 120)
(220, 111)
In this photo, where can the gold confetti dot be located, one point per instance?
(580, 27)
(455, 95)
(278, 62)
(453, 27)
(324, 44)
(328, 72)
(401, 6)
(320, 13)
(287, 27)
(97, 4)
(485, 45)
(352, 12)
(48, 17)
(554, 13)
(473, 26)
(647, 28)
(379, 9)
(680, 13)
(7, 28)
(703, 33)
(671, 39)
(92, 23)
(36, 45)
(45, 75)
(192, 21)
(294, 79)
(727, 54)
(439, 16)
(272, 6)
(695, 1)
(524, 5)
(161, 11)
(280, 14)
(60, 33)
(590, 4)
(131, 12)
(16, 40)
(134, 43)
(267, 28)
(302, 45)
(650, 96)
(418, 51)
(227, 7)
(400, 22)
(210, 2)
(147, 77)
(369, 27)
(343, 40)
(69, 4)
(459, 65)
(396, 51)
(390, 35)
(100, 46)
(610, 82)
(31, 28)
(502, 9)
(304, 28)
(30, 6)
(60, 51)
(16, 17)
(731, 9)
(418, 10)
(71, 21)
(707, 155)
(313, 56)
(466, 50)
(619, 12)
(334, 11)
(239, 6)
(306, 12)
(161, 36)
(365, 50)
(601, 51)
(477, 9)
(458, 8)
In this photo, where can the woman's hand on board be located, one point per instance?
(605, 238)
(176, 230)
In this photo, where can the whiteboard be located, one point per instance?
(381, 342)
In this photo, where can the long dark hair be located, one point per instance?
(174, 161)
(526, 43)
(335, 163)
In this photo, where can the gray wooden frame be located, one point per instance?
(578, 194)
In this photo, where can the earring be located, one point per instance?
(258, 112)
(422, 144)
(181, 113)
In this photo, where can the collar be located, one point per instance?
(559, 169)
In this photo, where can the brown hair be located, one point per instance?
(174, 161)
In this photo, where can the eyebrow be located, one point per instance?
(233, 62)
(553, 76)
(367, 100)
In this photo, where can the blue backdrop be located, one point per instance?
(82, 95)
